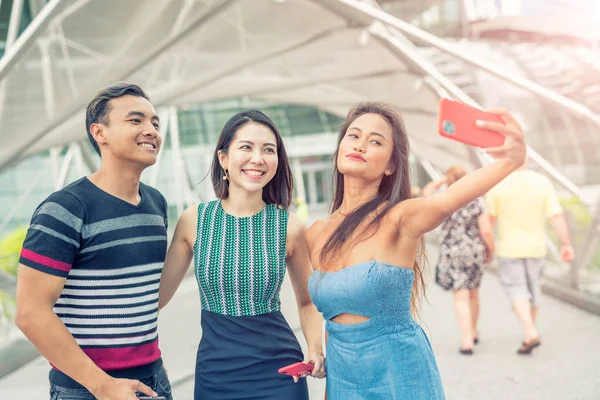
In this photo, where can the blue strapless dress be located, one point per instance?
(386, 357)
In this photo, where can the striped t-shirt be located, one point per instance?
(111, 253)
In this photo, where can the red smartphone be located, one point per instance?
(299, 370)
(457, 122)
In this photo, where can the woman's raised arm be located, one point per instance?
(419, 216)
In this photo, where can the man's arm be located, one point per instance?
(562, 231)
(36, 294)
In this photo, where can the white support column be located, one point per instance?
(312, 188)
(47, 79)
(35, 6)
(297, 168)
(185, 194)
(13, 31)
(55, 160)
(176, 159)
(64, 169)
(14, 23)
(60, 34)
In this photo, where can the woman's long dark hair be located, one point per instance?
(392, 190)
(279, 189)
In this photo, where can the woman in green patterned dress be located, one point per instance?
(240, 245)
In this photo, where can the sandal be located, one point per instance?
(465, 352)
(527, 347)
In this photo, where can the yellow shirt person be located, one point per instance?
(521, 204)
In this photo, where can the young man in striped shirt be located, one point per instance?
(87, 291)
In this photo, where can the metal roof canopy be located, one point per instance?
(187, 51)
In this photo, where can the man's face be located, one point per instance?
(131, 133)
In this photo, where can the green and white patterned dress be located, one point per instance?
(240, 264)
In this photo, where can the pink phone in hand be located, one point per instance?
(299, 370)
(457, 122)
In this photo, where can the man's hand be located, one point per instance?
(567, 253)
(122, 389)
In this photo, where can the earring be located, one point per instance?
(387, 172)
(226, 176)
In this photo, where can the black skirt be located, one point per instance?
(238, 358)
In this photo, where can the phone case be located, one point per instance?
(457, 122)
(152, 398)
(299, 369)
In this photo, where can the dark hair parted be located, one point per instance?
(279, 189)
(392, 190)
(98, 108)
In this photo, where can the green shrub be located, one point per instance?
(581, 215)
(7, 305)
(10, 249)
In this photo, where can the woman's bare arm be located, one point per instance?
(419, 216)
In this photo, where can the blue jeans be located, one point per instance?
(159, 383)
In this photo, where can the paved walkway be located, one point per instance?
(565, 367)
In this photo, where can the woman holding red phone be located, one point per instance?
(367, 255)
(241, 244)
